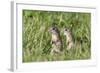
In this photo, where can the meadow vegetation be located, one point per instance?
(36, 38)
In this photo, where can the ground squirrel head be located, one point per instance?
(54, 30)
(67, 31)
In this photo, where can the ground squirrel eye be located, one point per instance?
(65, 29)
(53, 28)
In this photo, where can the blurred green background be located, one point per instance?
(36, 38)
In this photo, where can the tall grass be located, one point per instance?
(36, 38)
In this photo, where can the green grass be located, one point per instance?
(36, 38)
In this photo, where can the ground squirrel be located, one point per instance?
(69, 38)
(55, 40)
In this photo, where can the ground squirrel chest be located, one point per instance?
(55, 38)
